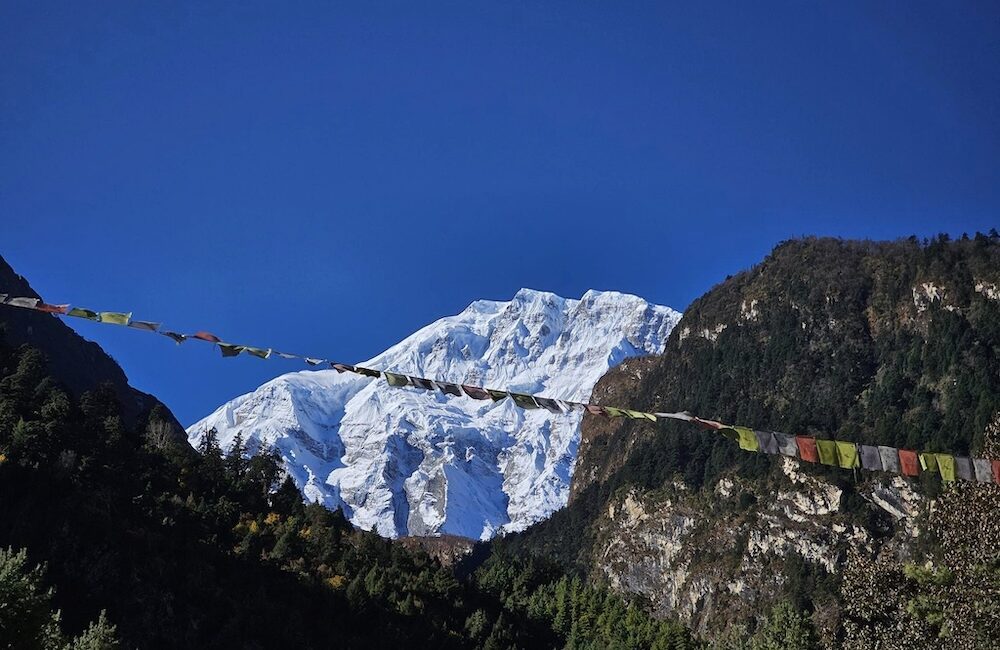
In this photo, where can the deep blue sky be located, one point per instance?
(329, 177)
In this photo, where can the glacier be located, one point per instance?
(403, 461)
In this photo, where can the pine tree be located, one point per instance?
(785, 629)
(100, 635)
(26, 617)
(287, 499)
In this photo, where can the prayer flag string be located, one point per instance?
(833, 453)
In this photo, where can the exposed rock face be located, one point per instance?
(714, 558)
(881, 343)
(948, 596)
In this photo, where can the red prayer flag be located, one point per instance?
(910, 463)
(475, 392)
(52, 309)
(206, 336)
(996, 471)
(807, 448)
(711, 425)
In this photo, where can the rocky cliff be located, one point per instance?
(883, 343)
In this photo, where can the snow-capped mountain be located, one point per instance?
(404, 461)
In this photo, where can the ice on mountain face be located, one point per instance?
(402, 461)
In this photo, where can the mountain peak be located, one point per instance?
(407, 462)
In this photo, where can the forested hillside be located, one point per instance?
(114, 533)
(894, 343)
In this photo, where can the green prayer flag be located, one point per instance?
(615, 412)
(367, 372)
(524, 401)
(639, 415)
(258, 352)
(847, 453)
(230, 350)
(114, 317)
(396, 380)
(946, 465)
(497, 395)
(827, 451)
(747, 439)
(928, 462)
(80, 312)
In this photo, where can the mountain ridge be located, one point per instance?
(403, 461)
(892, 343)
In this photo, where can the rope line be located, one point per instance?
(835, 453)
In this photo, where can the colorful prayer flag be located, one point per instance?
(928, 462)
(946, 465)
(596, 410)
(52, 309)
(144, 325)
(27, 303)
(682, 415)
(177, 338)
(367, 372)
(396, 380)
(963, 468)
(449, 388)
(908, 462)
(261, 353)
(475, 392)
(786, 445)
(996, 471)
(206, 336)
(310, 360)
(80, 312)
(524, 401)
(548, 404)
(342, 367)
(709, 424)
(847, 454)
(114, 317)
(420, 382)
(827, 450)
(614, 412)
(807, 448)
(497, 395)
(286, 355)
(767, 442)
(870, 458)
(890, 458)
(230, 350)
(745, 436)
(573, 406)
(983, 469)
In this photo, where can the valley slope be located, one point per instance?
(894, 343)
